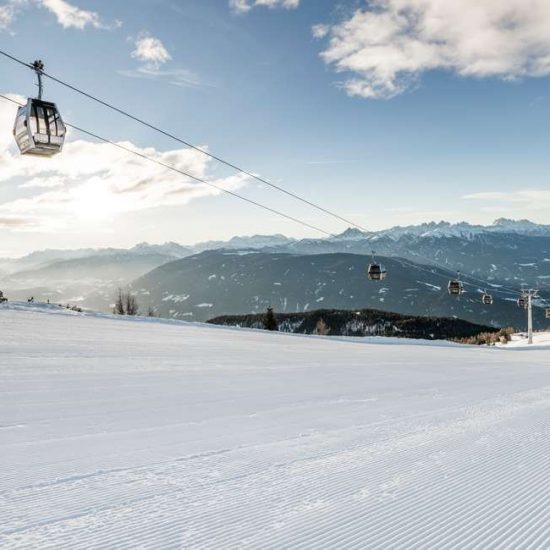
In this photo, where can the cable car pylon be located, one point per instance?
(529, 296)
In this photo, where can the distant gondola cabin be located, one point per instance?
(455, 287)
(376, 272)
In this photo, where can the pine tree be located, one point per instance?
(270, 321)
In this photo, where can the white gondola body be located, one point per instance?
(487, 299)
(39, 128)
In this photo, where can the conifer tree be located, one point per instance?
(270, 321)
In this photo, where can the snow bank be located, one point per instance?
(541, 340)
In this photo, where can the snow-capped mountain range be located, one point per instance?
(278, 241)
(466, 230)
(506, 252)
(446, 229)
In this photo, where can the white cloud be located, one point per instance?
(524, 199)
(92, 181)
(153, 55)
(320, 31)
(243, 6)
(69, 15)
(16, 223)
(150, 50)
(387, 45)
(45, 182)
(8, 13)
(177, 77)
(7, 117)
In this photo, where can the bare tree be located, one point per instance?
(119, 304)
(321, 328)
(125, 304)
(131, 304)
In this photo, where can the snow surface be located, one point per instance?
(540, 339)
(125, 433)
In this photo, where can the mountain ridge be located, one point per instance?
(509, 252)
(259, 241)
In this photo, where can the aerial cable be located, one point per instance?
(495, 289)
(250, 201)
(500, 290)
(468, 275)
(503, 291)
(188, 144)
(221, 160)
(218, 159)
(183, 173)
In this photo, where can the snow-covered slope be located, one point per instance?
(155, 434)
(540, 339)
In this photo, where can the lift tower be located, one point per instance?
(530, 294)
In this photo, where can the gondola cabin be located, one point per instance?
(39, 128)
(487, 299)
(547, 312)
(376, 272)
(522, 302)
(455, 287)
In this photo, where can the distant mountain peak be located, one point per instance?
(169, 248)
(351, 234)
(246, 242)
(524, 227)
(507, 222)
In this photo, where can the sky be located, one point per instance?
(389, 112)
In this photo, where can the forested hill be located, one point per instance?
(214, 283)
(364, 322)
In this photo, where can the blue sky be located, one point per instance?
(346, 103)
